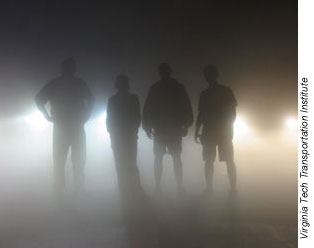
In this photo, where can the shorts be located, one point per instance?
(167, 144)
(225, 150)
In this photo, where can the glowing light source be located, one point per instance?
(291, 123)
(101, 124)
(240, 128)
(36, 121)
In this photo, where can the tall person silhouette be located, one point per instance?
(123, 121)
(71, 104)
(167, 115)
(216, 115)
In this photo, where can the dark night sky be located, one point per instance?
(254, 44)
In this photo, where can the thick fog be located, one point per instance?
(267, 193)
(254, 46)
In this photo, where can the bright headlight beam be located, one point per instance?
(36, 121)
(291, 123)
(100, 124)
(240, 128)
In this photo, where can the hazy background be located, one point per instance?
(254, 45)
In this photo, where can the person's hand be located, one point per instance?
(149, 133)
(197, 138)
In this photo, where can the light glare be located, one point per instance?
(240, 128)
(101, 124)
(36, 121)
(291, 123)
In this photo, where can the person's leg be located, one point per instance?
(135, 175)
(177, 165)
(159, 151)
(226, 154)
(232, 174)
(123, 161)
(209, 174)
(174, 146)
(119, 165)
(129, 173)
(78, 149)
(209, 155)
(158, 170)
(60, 151)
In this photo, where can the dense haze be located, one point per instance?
(266, 207)
(254, 45)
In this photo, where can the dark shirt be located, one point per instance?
(167, 107)
(123, 114)
(216, 110)
(68, 97)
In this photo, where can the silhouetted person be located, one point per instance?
(71, 103)
(216, 115)
(167, 115)
(123, 121)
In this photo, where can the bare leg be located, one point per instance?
(158, 171)
(209, 173)
(177, 165)
(232, 173)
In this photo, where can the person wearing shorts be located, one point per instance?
(167, 115)
(214, 126)
(167, 143)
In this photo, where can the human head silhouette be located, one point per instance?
(211, 74)
(68, 67)
(164, 70)
(122, 82)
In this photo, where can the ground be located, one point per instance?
(192, 221)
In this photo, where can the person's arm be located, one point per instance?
(41, 100)
(147, 114)
(199, 120)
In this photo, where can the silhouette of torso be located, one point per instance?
(167, 107)
(123, 114)
(67, 96)
(217, 110)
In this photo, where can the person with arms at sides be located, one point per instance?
(167, 115)
(216, 115)
(123, 121)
